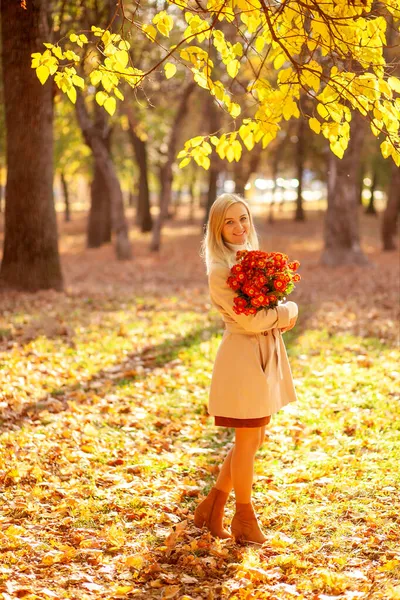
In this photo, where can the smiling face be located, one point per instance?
(236, 226)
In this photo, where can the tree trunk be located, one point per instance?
(341, 231)
(99, 221)
(143, 215)
(391, 214)
(214, 125)
(300, 159)
(66, 197)
(166, 174)
(30, 260)
(106, 166)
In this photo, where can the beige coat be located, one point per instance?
(251, 376)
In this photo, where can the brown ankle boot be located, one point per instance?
(244, 526)
(210, 512)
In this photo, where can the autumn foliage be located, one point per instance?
(256, 59)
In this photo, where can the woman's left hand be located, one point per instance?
(292, 323)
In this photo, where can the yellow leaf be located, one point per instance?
(122, 57)
(135, 560)
(394, 83)
(101, 97)
(390, 565)
(196, 141)
(184, 162)
(337, 149)
(234, 110)
(259, 44)
(52, 557)
(279, 60)
(122, 590)
(233, 68)
(322, 111)
(110, 105)
(230, 153)
(170, 70)
(42, 73)
(314, 124)
(14, 531)
(71, 93)
(150, 31)
(78, 81)
(386, 149)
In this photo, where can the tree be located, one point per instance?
(391, 214)
(107, 170)
(166, 174)
(331, 52)
(30, 260)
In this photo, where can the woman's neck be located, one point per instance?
(236, 247)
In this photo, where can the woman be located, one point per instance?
(251, 378)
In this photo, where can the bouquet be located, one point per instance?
(261, 280)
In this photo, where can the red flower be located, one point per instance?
(279, 284)
(250, 290)
(255, 275)
(294, 265)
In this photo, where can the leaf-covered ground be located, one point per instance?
(106, 447)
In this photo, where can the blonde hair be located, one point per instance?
(213, 248)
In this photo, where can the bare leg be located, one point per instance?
(247, 442)
(224, 480)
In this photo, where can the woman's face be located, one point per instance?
(236, 227)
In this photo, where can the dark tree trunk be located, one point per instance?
(212, 190)
(215, 162)
(1, 198)
(30, 260)
(371, 210)
(300, 159)
(104, 162)
(66, 197)
(166, 174)
(143, 215)
(391, 214)
(341, 233)
(99, 221)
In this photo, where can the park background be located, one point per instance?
(105, 363)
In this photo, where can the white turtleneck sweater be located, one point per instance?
(236, 247)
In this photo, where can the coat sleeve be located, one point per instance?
(263, 320)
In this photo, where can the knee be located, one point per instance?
(247, 440)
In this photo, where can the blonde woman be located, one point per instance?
(251, 378)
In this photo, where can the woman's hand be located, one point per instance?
(292, 323)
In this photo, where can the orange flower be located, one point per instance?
(279, 285)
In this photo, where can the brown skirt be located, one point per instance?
(231, 422)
